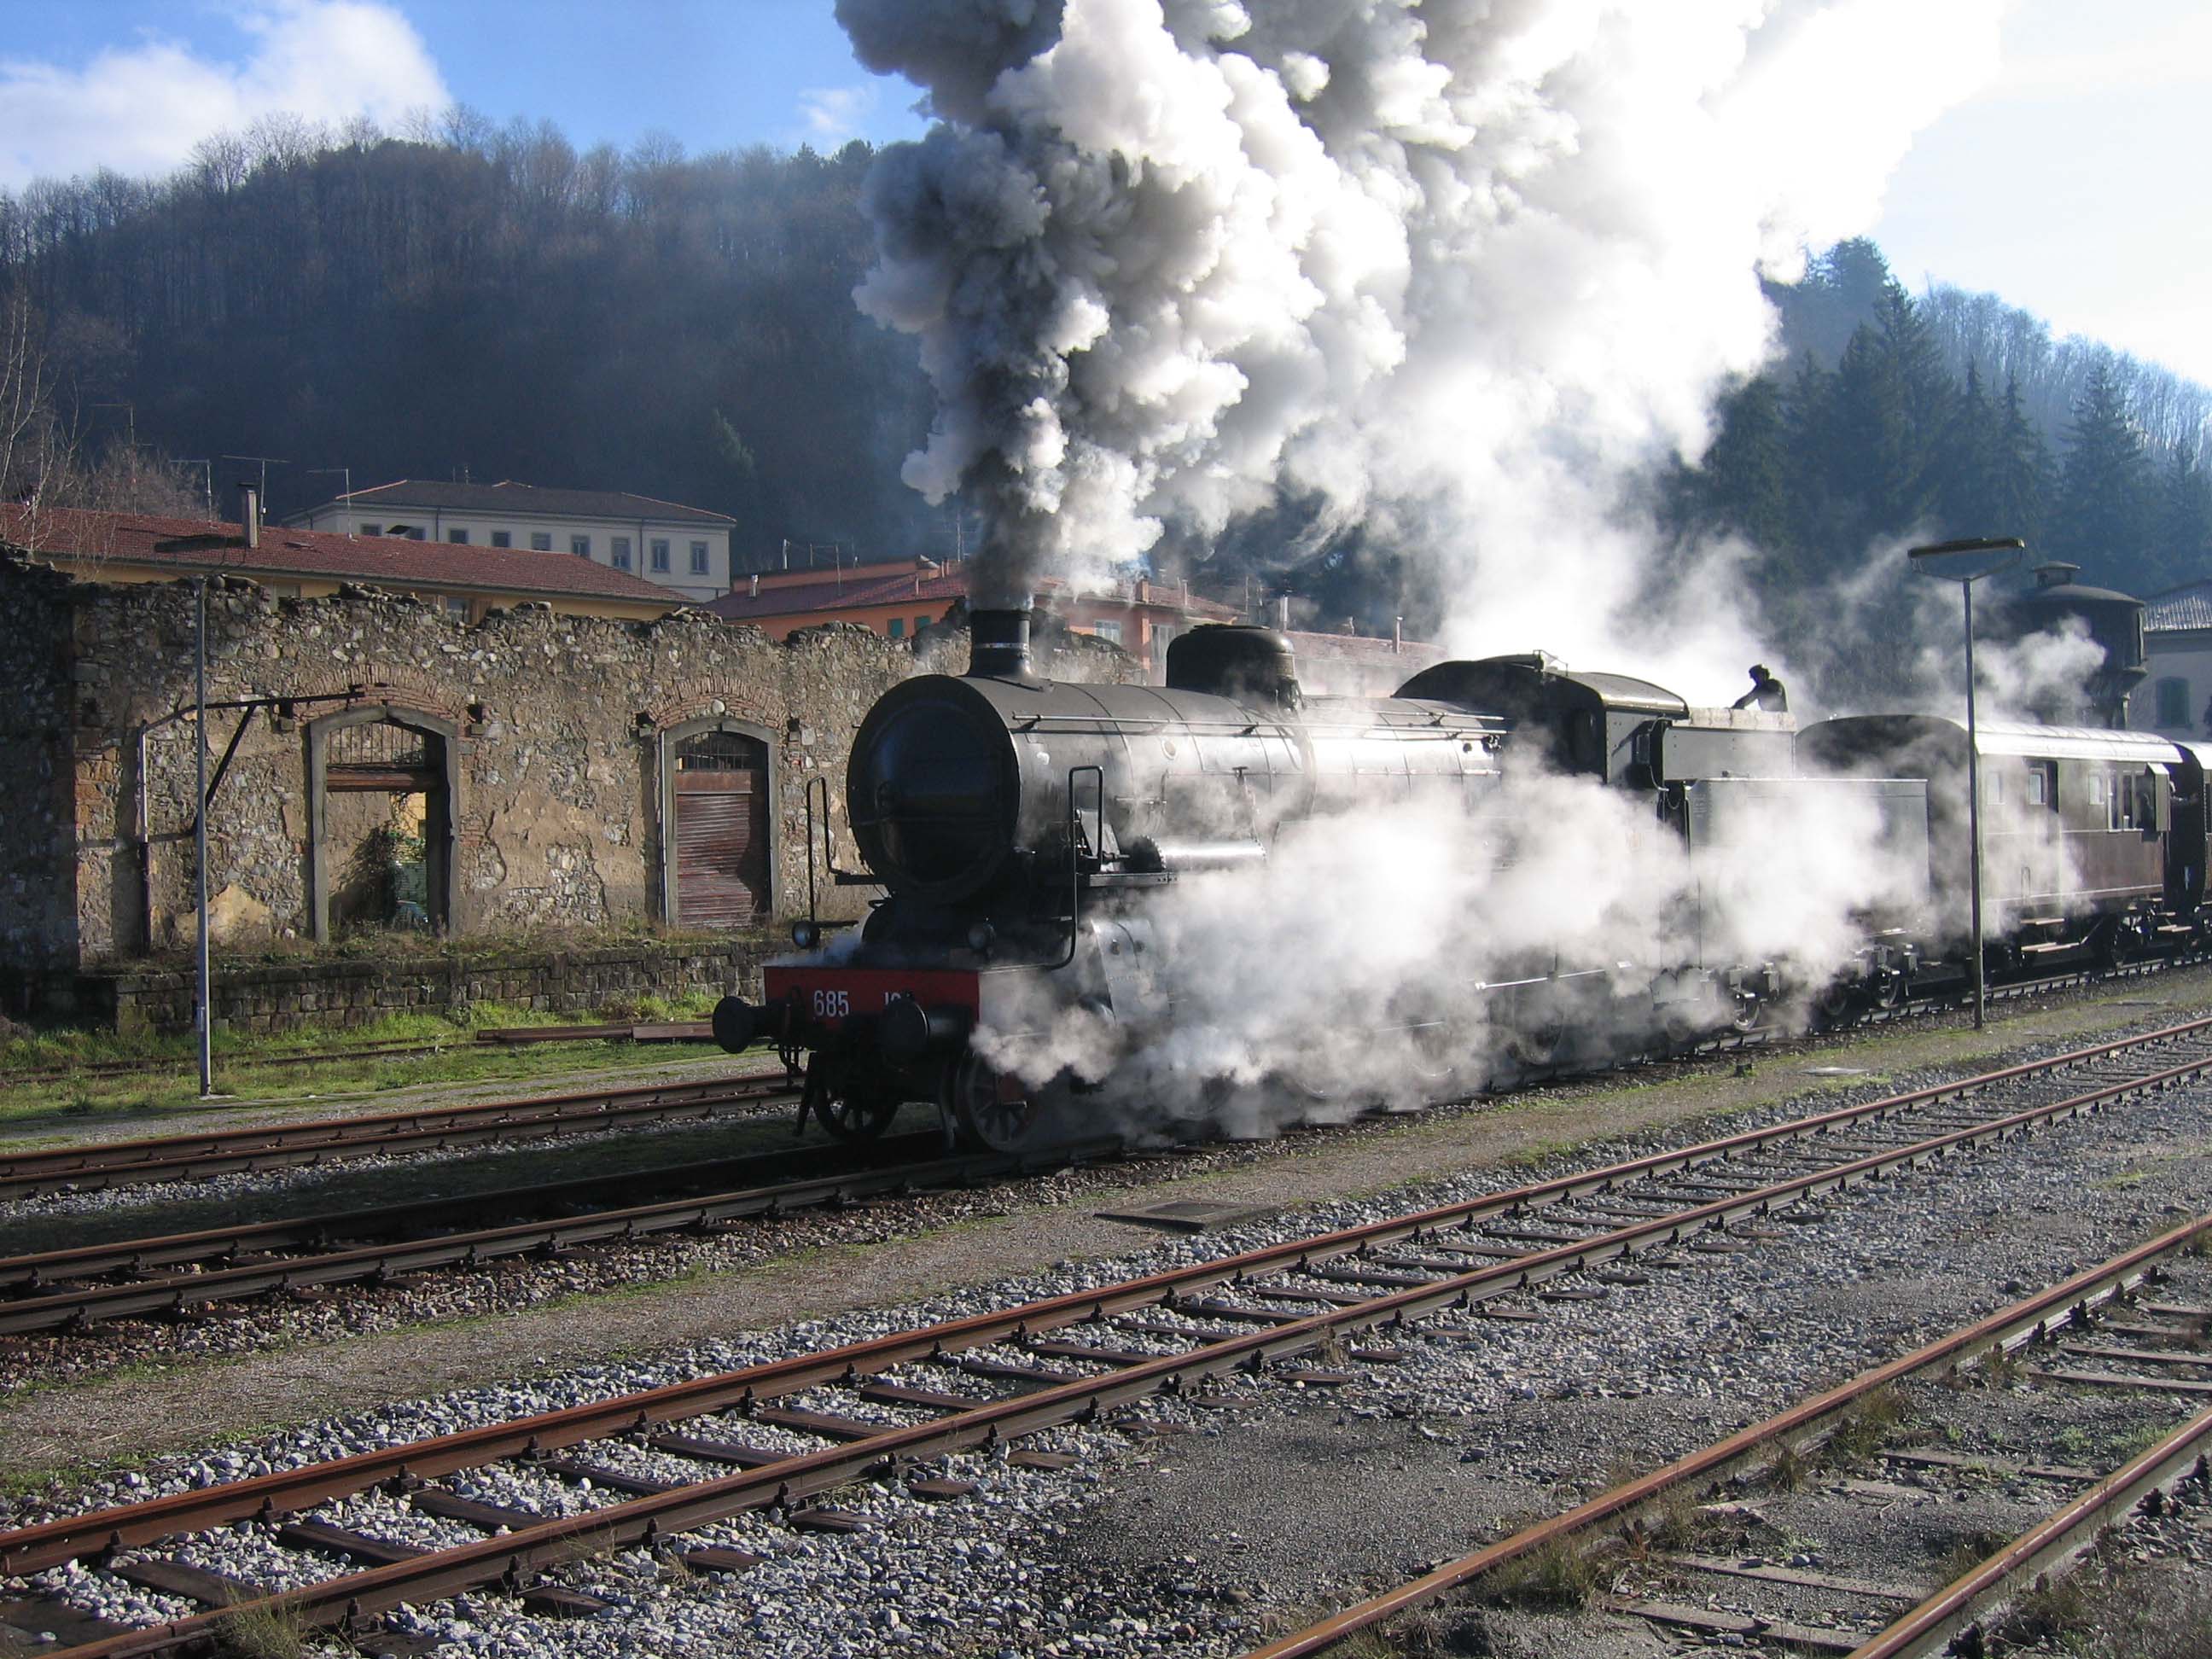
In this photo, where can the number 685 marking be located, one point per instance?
(831, 1005)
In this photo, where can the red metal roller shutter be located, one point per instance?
(721, 848)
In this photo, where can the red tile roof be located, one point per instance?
(507, 497)
(907, 585)
(197, 544)
(926, 588)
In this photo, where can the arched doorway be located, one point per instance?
(717, 810)
(381, 789)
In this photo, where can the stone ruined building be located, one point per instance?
(402, 772)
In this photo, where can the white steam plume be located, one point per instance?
(1456, 271)
(1350, 965)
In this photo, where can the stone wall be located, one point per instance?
(556, 733)
(343, 993)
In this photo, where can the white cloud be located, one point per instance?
(139, 109)
(834, 114)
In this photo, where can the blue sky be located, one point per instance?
(2072, 185)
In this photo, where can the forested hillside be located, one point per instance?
(491, 303)
(1949, 414)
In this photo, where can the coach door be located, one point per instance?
(720, 802)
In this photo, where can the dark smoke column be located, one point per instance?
(1104, 248)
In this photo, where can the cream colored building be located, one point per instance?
(2176, 696)
(685, 549)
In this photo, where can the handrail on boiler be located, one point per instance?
(1074, 857)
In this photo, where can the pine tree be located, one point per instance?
(2020, 483)
(2184, 532)
(1967, 462)
(2105, 519)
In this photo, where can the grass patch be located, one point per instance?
(1786, 1468)
(1555, 1577)
(258, 1631)
(264, 1066)
(1876, 1422)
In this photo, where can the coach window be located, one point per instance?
(2035, 786)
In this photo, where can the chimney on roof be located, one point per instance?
(1283, 613)
(753, 593)
(249, 512)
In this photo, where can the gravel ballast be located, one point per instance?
(1198, 1522)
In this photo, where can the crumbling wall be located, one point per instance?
(556, 782)
(556, 814)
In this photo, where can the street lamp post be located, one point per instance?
(1966, 562)
(200, 838)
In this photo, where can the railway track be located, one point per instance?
(26, 1174)
(2094, 1325)
(79, 1288)
(783, 1435)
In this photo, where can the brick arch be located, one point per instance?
(695, 700)
(397, 689)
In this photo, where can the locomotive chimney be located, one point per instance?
(999, 645)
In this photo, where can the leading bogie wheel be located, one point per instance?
(854, 1116)
(995, 1110)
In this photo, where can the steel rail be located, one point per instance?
(131, 1255)
(785, 1482)
(84, 1303)
(2022, 1321)
(1930, 1627)
(172, 1158)
(51, 1542)
(31, 1272)
(893, 1170)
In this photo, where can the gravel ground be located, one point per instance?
(1194, 1525)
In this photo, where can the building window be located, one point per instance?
(580, 546)
(366, 530)
(895, 629)
(2172, 703)
(618, 552)
(660, 553)
(921, 624)
(2035, 786)
(698, 558)
(457, 609)
(541, 541)
(1107, 630)
(457, 538)
(500, 539)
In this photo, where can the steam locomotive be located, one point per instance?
(1023, 830)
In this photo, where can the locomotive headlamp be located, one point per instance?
(981, 936)
(805, 935)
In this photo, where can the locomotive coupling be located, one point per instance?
(737, 1025)
(906, 1032)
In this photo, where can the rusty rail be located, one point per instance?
(2024, 1320)
(177, 1157)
